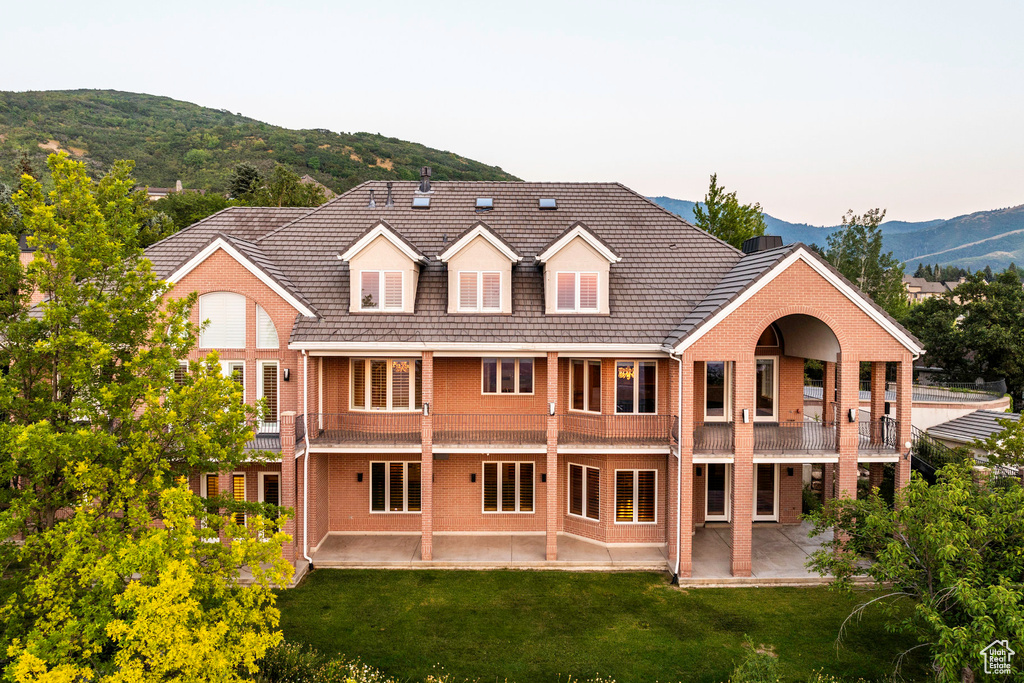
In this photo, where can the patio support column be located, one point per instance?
(427, 460)
(743, 464)
(685, 502)
(904, 399)
(877, 401)
(849, 399)
(828, 415)
(551, 469)
(288, 478)
(877, 474)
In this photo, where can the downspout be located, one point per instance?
(305, 461)
(679, 472)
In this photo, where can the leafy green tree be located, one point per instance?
(186, 208)
(922, 272)
(96, 431)
(244, 180)
(950, 558)
(976, 330)
(856, 251)
(723, 216)
(284, 188)
(10, 219)
(197, 158)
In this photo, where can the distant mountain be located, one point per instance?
(985, 238)
(171, 140)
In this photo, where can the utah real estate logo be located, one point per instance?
(998, 658)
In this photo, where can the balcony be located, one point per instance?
(489, 430)
(580, 429)
(924, 393)
(796, 437)
(376, 429)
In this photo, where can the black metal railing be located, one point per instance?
(947, 392)
(712, 437)
(300, 429)
(376, 428)
(878, 435)
(482, 429)
(785, 437)
(638, 430)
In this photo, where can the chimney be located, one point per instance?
(425, 179)
(390, 203)
(372, 203)
(762, 243)
(177, 186)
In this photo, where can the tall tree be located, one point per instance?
(96, 432)
(244, 180)
(186, 208)
(856, 251)
(284, 188)
(723, 216)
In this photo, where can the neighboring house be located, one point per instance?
(965, 430)
(155, 193)
(310, 180)
(919, 289)
(566, 362)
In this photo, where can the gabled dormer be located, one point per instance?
(576, 266)
(480, 272)
(383, 271)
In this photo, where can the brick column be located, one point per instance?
(288, 497)
(877, 400)
(743, 464)
(877, 474)
(551, 490)
(427, 461)
(849, 398)
(686, 470)
(904, 402)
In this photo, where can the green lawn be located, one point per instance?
(537, 626)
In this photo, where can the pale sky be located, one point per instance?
(810, 108)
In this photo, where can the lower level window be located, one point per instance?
(238, 495)
(585, 491)
(508, 487)
(635, 496)
(394, 487)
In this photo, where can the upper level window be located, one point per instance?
(716, 391)
(507, 375)
(636, 389)
(380, 290)
(266, 332)
(577, 292)
(225, 312)
(479, 290)
(585, 385)
(386, 384)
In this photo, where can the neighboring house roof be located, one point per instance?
(310, 180)
(926, 286)
(483, 230)
(980, 424)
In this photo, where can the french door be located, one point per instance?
(717, 496)
(766, 492)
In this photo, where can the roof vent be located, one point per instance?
(762, 243)
(484, 203)
(372, 203)
(421, 202)
(548, 204)
(425, 179)
(390, 203)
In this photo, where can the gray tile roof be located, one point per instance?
(980, 424)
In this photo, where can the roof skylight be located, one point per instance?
(421, 202)
(548, 204)
(484, 203)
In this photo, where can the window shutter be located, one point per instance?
(508, 487)
(467, 290)
(238, 495)
(645, 496)
(400, 383)
(268, 386)
(576, 490)
(624, 496)
(212, 485)
(266, 333)
(526, 487)
(396, 487)
(566, 292)
(491, 291)
(271, 489)
(414, 486)
(226, 313)
(379, 384)
(393, 290)
(358, 383)
(490, 487)
(588, 291)
(593, 493)
(369, 292)
(181, 373)
(377, 487)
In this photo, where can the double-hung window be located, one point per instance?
(585, 385)
(387, 384)
(636, 496)
(507, 375)
(508, 487)
(576, 292)
(380, 290)
(479, 291)
(266, 389)
(636, 386)
(238, 494)
(235, 369)
(585, 491)
(395, 487)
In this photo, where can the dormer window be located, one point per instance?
(383, 271)
(480, 272)
(380, 290)
(577, 292)
(479, 291)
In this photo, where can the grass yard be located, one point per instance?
(542, 626)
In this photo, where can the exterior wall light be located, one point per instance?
(286, 374)
(472, 477)
(359, 476)
(746, 415)
(426, 409)
(853, 414)
(551, 408)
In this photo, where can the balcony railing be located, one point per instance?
(622, 430)
(878, 435)
(712, 437)
(487, 429)
(924, 393)
(363, 429)
(788, 437)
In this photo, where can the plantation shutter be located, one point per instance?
(377, 487)
(393, 290)
(566, 292)
(378, 384)
(576, 490)
(212, 485)
(181, 373)
(266, 333)
(226, 313)
(414, 486)
(467, 290)
(490, 487)
(358, 383)
(491, 291)
(624, 496)
(588, 291)
(238, 495)
(508, 487)
(268, 386)
(645, 496)
(526, 487)
(396, 488)
(593, 493)
(400, 383)
(369, 292)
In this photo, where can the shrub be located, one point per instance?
(812, 500)
(760, 665)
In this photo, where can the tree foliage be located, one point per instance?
(186, 208)
(723, 216)
(281, 187)
(953, 552)
(245, 178)
(96, 432)
(855, 250)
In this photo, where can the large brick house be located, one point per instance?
(561, 361)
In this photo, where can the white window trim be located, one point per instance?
(260, 364)
(586, 386)
(636, 495)
(383, 307)
(774, 517)
(727, 408)
(245, 493)
(533, 372)
(203, 493)
(576, 286)
(728, 494)
(483, 487)
(387, 488)
(774, 417)
(390, 407)
(636, 387)
(260, 309)
(225, 370)
(568, 492)
(262, 475)
(479, 308)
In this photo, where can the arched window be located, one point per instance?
(266, 333)
(769, 337)
(225, 312)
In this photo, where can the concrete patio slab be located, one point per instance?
(496, 548)
(778, 555)
(529, 548)
(369, 548)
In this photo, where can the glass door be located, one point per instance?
(717, 494)
(766, 492)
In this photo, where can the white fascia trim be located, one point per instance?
(712, 459)
(479, 231)
(313, 448)
(381, 230)
(796, 460)
(614, 450)
(802, 255)
(347, 348)
(895, 457)
(221, 243)
(585, 235)
(485, 450)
